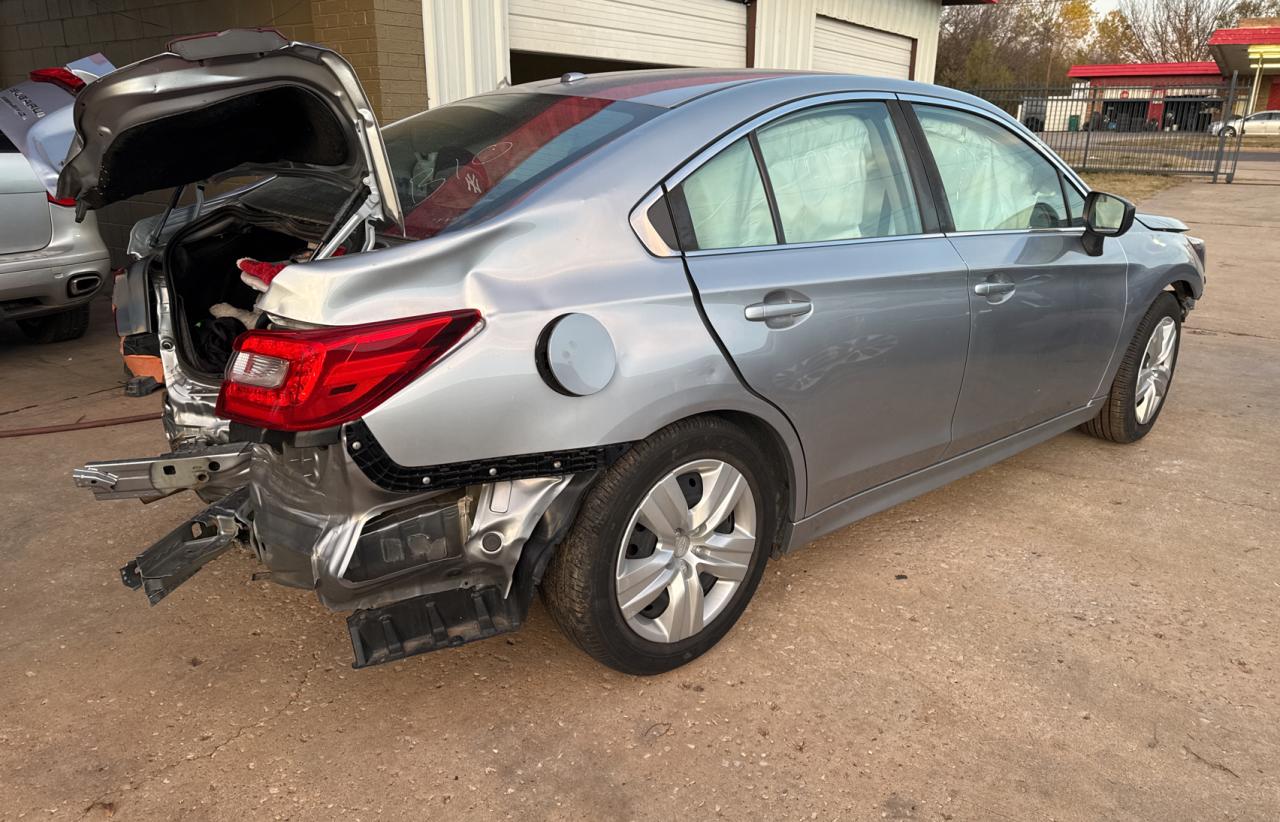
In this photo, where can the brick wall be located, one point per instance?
(36, 33)
(383, 41)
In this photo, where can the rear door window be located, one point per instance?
(838, 173)
(726, 203)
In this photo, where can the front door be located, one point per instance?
(820, 281)
(1045, 315)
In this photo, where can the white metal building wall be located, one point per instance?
(670, 32)
(785, 29)
(466, 48)
(468, 42)
(853, 49)
(917, 19)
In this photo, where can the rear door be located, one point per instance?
(820, 268)
(1045, 315)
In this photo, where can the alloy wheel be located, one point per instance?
(687, 550)
(1156, 370)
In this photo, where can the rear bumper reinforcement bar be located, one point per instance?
(429, 623)
(175, 558)
(153, 478)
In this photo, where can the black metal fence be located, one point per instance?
(1153, 128)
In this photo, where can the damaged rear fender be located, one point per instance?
(319, 522)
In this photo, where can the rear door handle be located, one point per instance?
(759, 312)
(990, 289)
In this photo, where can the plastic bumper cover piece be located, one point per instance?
(429, 623)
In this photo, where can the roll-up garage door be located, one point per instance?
(849, 49)
(662, 32)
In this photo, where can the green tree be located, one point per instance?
(983, 68)
(1112, 40)
(1026, 41)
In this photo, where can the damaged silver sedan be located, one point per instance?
(619, 339)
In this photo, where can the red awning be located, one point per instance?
(1206, 68)
(1260, 36)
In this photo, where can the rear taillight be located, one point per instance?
(65, 202)
(304, 380)
(60, 77)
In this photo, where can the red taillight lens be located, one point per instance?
(304, 380)
(65, 202)
(60, 77)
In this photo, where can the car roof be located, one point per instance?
(669, 88)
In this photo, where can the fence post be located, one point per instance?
(1088, 134)
(1227, 111)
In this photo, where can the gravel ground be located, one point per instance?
(1086, 631)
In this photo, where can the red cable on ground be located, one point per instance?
(77, 426)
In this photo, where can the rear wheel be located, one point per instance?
(668, 548)
(1145, 376)
(68, 325)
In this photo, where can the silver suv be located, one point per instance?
(51, 264)
(620, 339)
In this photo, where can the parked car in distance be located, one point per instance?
(620, 339)
(1261, 122)
(51, 265)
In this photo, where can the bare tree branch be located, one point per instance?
(1174, 31)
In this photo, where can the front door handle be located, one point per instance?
(759, 312)
(990, 289)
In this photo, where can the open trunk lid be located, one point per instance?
(241, 102)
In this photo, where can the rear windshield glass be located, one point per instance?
(460, 163)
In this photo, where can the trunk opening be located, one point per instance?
(283, 220)
(201, 267)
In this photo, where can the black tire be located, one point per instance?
(68, 325)
(579, 588)
(1117, 420)
(1229, 131)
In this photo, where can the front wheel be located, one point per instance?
(1229, 131)
(1144, 378)
(668, 548)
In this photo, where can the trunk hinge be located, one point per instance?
(366, 214)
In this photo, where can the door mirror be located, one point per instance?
(1105, 215)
